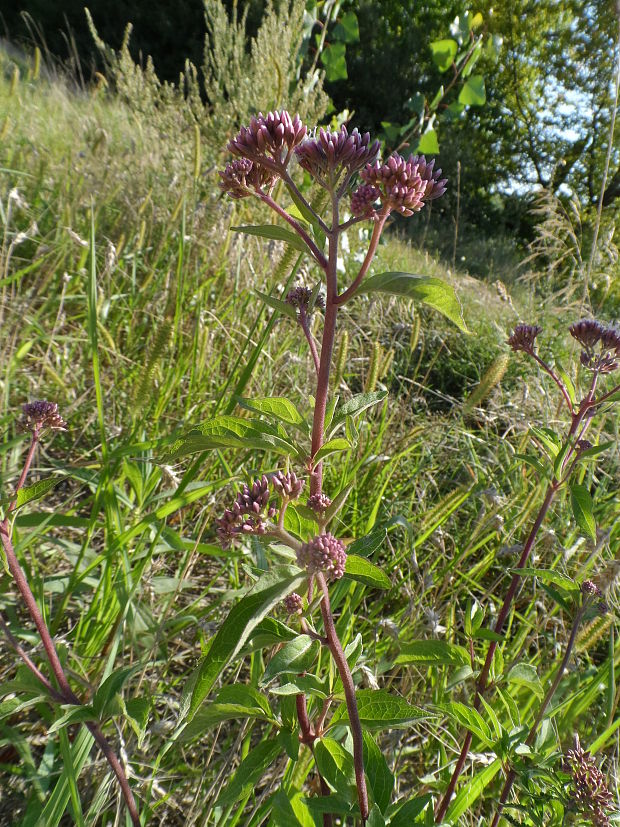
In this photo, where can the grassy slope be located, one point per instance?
(131, 574)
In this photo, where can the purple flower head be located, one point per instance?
(601, 363)
(524, 336)
(269, 139)
(610, 341)
(363, 201)
(323, 553)
(293, 604)
(287, 485)
(42, 414)
(319, 503)
(247, 513)
(405, 185)
(590, 794)
(335, 151)
(587, 332)
(589, 588)
(241, 176)
(300, 297)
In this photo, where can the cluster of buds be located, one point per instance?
(405, 185)
(269, 140)
(36, 416)
(590, 590)
(293, 604)
(319, 503)
(288, 486)
(242, 177)
(332, 152)
(590, 794)
(323, 553)
(300, 298)
(248, 512)
(524, 337)
(363, 201)
(590, 333)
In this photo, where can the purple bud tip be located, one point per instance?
(287, 485)
(523, 337)
(293, 604)
(319, 503)
(589, 588)
(323, 553)
(42, 414)
(405, 185)
(300, 298)
(587, 332)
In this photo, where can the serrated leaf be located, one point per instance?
(546, 576)
(473, 92)
(581, 503)
(308, 684)
(378, 709)
(33, 492)
(296, 656)
(443, 53)
(278, 304)
(524, 674)
(232, 703)
(235, 630)
(227, 431)
(335, 763)
(380, 778)
(427, 289)
(362, 570)
(275, 233)
(433, 653)
(468, 717)
(332, 446)
(278, 407)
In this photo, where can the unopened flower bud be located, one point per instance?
(587, 332)
(287, 485)
(293, 604)
(41, 414)
(523, 337)
(319, 503)
(336, 151)
(323, 553)
(269, 139)
(405, 185)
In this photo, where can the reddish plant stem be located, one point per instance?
(481, 683)
(349, 692)
(555, 378)
(316, 253)
(66, 694)
(511, 776)
(303, 323)
(372, 249)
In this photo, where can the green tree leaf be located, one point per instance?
(428, 143)
(581, 503)
(275, 233)
(473, 92)
(433, 652)
(235, 630)
(334, 60)
(347, 28)
(443, 52)
(296, 656)
(380, 777)
(362, 570)
(378, 709)
(430, 290)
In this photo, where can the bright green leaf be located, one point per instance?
(296, 656)
(362, 570)
(433, 653)
(473, 92)
(378, 709)
(275, 233)
(444, 52)
(334, 61)
(581, 502)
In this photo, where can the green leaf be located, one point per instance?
(568, 382)
(473, 92)
(534, 462)
(278, 407)
(334, 61)
(444, 52)
(271, 632)
(229, 432)
(290, 812)
(595, 450)
(367, 545)
(295, 656)
(278, 304)
(112, 685)
(331, 447)
(551, 441)
(428, 143)
(337, 503)
(581, 502)
(362, 570)
(275, 233)
(235, 630)
(33, 492)
(404, 816)
(433, 653)
(472, 60)
(232, 703)
(468, 717)
(249, 772)
(335, 764)
(356, 405)
(546, 576)
(74, 715)
(380, 777)
(378, 709)
(524, 674)
(296, 521)
(308, 684)
(471, 791)
(347, 28)
(430, 290)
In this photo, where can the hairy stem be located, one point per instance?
(349, 692)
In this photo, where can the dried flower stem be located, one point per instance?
(66, 694)
(511, 775)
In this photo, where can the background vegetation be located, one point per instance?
(126, 297)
